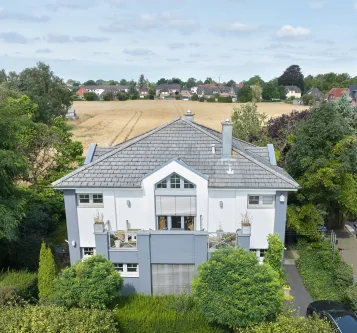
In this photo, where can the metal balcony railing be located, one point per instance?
(218, 240)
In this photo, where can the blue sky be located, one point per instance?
(234, 39)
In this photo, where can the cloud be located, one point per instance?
(195, 55)
(173, 59)
(289, 32)
(174, 46)
(64, 39)
(195, 44)
(138, 52)
(234, 28)
(99, 53)
(13, 38)
(190, 61)
(44, 50)
(4, 15)
(73, 5)
(148, 22)
(324, 41)
(317, 4)
(355, 5)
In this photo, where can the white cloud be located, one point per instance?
(289, 32)
(317, 4)
(233, 29)
(138, 52)
(241, 27)
(355, 6)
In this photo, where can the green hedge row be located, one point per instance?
(15, 284)
(322, 277)
(220, 99)
(50, 319)
(162, 314)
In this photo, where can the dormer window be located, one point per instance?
(187, 184)
(175, 181)
(163, 184)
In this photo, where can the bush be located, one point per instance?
(49, 319)
(194, 97)
(93, 283)
(233, 289)
(351, 297)
(15, 284)
(46, 273)
(274, 254)
(162, 314)
(322, 277)
(292, 324)
(90, 96)
(227, 99)
(202, 99)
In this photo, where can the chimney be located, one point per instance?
(227, 128)
(189, 115)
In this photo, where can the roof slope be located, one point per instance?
(127, 164)
(292, 88)
(337, 92)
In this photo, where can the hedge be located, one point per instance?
(162, 314)
(15, 284)
(322, 277)
(50, 319)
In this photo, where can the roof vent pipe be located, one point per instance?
(213, 148)
(189, 115)
(227, 137)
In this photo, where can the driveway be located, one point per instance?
(301, 297)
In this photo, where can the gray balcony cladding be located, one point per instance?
(126, 165)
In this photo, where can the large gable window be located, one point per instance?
(187, 184)
(175, 181)
(163, 184)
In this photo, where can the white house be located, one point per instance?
(292, 91)
(170, 197)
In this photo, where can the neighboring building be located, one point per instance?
(101, 90)
(80, 92)
(167, 89)
(292, 91)
(186, 93)
(336, 93)
(316, 94)
(71, 114)
(209, 91)
(169, 198)
(194, 90)
(143, 92)
(352, 92)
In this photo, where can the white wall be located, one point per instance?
(293, 94)
(235, 203)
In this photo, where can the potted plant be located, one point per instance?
(99, 222)
(246, 223)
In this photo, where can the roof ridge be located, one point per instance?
(112, 152)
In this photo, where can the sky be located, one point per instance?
(225, 39)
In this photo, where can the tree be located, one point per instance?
(123, 82)
(257, 93)
(91, 83)
(194, 97)
(46, 90)
(289, 323)
(255, 80)
(98, 82)
(3, 76)
(122, 96)
(152, 91)
(162, 81)
(46, 273)
(274, 254)
(233, 289)
(90, 96)
(141, 82)
(282, 92)
(109, 96)
(323, 158)
(307, 99)
(248, 123)
(112, 82)
(208, 80)
(93, 283)
(133, 92)
(175, 80)
(245, 94)
(231, 83)
(270, 91)
(292, 76)
(191, 82)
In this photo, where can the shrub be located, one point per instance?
(322, 277)
(201, 99)
(162, 314)
(232, 288)
(93, 283)
(49, 319)
(90, 96)
(351, 297)
(274, 254)
(227, 99)
(292, 324)
(46, 272)
(14, 284)
(194, 97)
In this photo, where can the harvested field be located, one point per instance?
(109, 123)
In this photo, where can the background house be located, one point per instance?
(167, 89)
(316, 94)
(336, 93)
(292, 91)
(352, 92)
(171, 196)
(143, 92)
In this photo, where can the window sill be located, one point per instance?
(90, 205)
(129, 275)
(261, 206)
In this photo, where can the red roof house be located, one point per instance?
(335, 93)
(80, 92)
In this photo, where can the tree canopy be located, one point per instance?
(292, 76)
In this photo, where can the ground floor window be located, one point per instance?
(88, 252)
(176, 223)
(171, 279)
(127, 270)
(260, 253)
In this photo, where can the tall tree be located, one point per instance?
(257, 92)
(292, 76)
(98, 82)
(141, 82)
(162, 81)
(3, 76)
(91, 83)
(191, 82)
(123, 82)
(231, 83)
(255, 80)
(46, 273)
(46, 90)
(245, 94)
(208, 80)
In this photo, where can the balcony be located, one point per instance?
(124, 239)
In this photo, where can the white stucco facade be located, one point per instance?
(216, 208)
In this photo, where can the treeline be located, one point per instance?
(36, 148)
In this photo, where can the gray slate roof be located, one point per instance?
(125, 165)
(316, 93)
(292, 88)
(353, 91)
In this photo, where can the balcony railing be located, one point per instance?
(218, 240)
(124, 239)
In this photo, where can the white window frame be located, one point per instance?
(259, 253)
(91, 200)
(123, 269)
(85, 255)
(176, 184)
(182, 184)
(261, 204)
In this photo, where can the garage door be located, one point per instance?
(171, 279)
